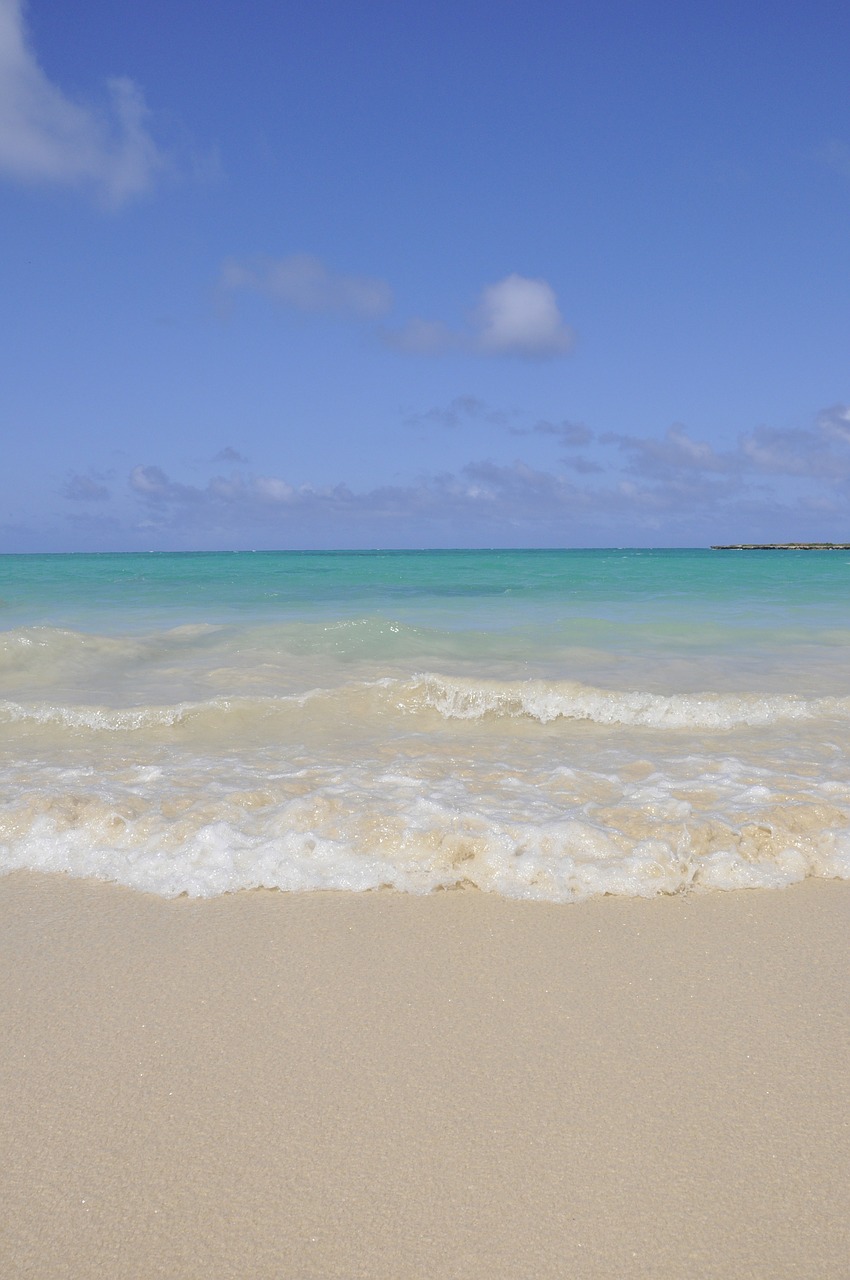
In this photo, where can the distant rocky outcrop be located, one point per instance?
(783, 546)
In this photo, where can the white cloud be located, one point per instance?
(519, 316)
(516, 316)
(46, 137)
(304, 282)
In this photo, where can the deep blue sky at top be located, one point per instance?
(377, 274)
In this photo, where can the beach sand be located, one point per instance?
(331, 1085)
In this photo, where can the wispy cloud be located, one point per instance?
(304, 282)
(46, 137)
(835, 422)
(81, 488)
(96, 526)
(516, 316)
(584, 466)
(151, 484)
(674, 453)
(570, 434)
(786, 452)
(817, 454)
(424, 338)
(468, 410)
(229, 454)
(461, 410)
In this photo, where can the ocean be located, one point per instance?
(537, 724)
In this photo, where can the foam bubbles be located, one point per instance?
(204, 825)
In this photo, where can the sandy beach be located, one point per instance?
(385, 1086)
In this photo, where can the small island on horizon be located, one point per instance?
(783, 546)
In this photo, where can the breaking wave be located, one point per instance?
(545, 701)
(454, 698)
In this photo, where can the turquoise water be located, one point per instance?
(535, 723)
(495, 587)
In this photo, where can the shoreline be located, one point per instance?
(451, 1086)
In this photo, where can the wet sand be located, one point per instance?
(344, 1086)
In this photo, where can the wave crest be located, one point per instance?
(545, 701)
(453, 698)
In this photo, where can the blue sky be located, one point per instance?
(350, 274)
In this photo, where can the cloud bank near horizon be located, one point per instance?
(671, 489)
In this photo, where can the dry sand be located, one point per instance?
(459, 1086)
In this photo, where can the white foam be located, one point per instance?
(357, 829)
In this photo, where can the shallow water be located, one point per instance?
(539, 724)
